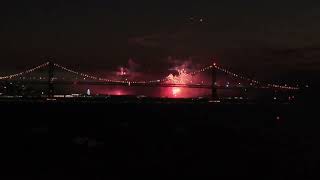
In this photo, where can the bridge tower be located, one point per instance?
(214, 94)
(50, 79)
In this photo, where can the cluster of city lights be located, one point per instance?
(24, 72)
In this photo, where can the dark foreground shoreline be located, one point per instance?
(81, 140)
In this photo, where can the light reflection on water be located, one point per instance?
(146, 91)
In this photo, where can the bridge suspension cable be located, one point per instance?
(75, 72)
(163, 80)
(103, 79)
(268, 85)
(24, 72)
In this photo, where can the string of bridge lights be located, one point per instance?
(76, 73)
(84, 75)
(254, 81)
(104, 79)
(126, 81)
(24, 72)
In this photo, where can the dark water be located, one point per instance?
(97, 140)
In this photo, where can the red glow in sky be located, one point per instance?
(182, 78)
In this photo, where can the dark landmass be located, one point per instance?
(83, 140)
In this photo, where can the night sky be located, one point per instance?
(267, 38)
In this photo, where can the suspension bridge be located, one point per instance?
(85, 79)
